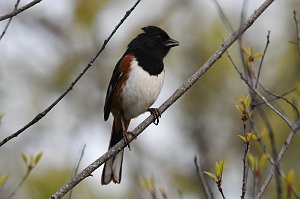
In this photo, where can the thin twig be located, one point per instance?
(9, 21)
(11, 195)
(286, 100)
(48, 109)
(19, 10)
(276, 98)
(273, 149)
(223, 17)
(240, 40)
(297, 22)
(77, 167)
(285, 118)
(262, 59)
(245, 169)
(272, 162)
(294, 129)
(178, 93)
(207, 191)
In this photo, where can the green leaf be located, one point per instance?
(37, 158)
(257, 55)
(221, 168)
(212, 176)
(263, 161)
(217, 169)
(245, 51)
(240, 108)
(3, 180)
(247, 101)
(1, 116)
(24, 157)
(251, 161)
(290, 177)
(242, 137)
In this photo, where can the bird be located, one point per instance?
(136, 82)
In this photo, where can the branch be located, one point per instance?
(297, 22)
(9, 21)
(282, 151)
(205, 186)
(47, 110)
(77, 167)
(223, 17)
(285, 118)
(273, 149)
(18, 11)
(262, 59)
(177, 94)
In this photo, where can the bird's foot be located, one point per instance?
(156, 114)
(126, 138)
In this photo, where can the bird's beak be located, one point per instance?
(171, 43)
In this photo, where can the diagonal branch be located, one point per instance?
(262, 59)
(9, 21)
(48, 109)
(199, 169)
(18, 11)
(297, 22)
(295, 128)
(177, 94)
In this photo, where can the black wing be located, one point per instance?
(111, 89)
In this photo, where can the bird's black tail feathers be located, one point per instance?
(112, 170)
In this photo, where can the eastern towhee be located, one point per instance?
(134, 86)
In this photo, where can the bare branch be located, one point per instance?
(48, 109)
(178, 93)
(18, 11)
(223, 17)
(262, 59)
(295, 128)
(297, 22)
(286, 100)
(273, 149)
(77, 167)
(203, 181)
(9, 21)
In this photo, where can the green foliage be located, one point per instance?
(249, 137)
(87, 10)
(1, 117)
(32, 161)
(3, 180)
(257, 164)
(219, 167)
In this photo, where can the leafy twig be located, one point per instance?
(285, 118)
(49, 108)
(30, 165)
(19, 10)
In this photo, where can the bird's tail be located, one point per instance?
(112, 170)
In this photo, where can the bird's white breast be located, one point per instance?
(140, 91)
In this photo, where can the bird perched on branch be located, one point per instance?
(135, 84)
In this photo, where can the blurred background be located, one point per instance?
(47, 46)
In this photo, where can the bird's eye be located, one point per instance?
(158, 37)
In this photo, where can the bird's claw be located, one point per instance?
(156, 114)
